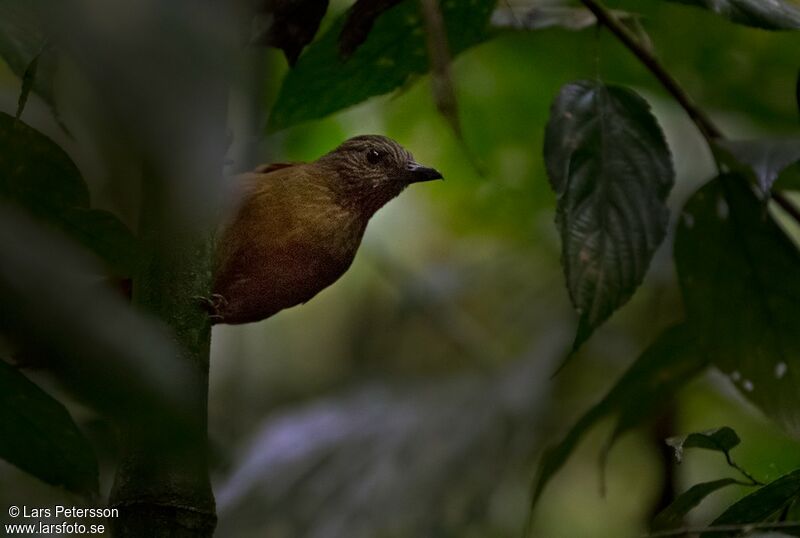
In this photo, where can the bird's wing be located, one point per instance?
(271, 167)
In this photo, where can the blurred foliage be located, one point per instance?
(458, 287)
(36, 174)
(644, 388)
(40, 436)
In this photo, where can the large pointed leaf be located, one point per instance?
(767, 14)
(740, 277)
(39, 176)
(38, 435)
(609, 164)
(656, 375)
(760, 505)
(766, 158)
(672, 516)
(323, 82)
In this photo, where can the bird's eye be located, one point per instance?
(374, 156)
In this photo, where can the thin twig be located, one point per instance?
(444, 94)
(751, 478)
(707, 127)
(605, 17)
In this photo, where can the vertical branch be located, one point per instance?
(444, 94)
(162, 487)
(162, 484)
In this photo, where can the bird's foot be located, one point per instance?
(213, 304)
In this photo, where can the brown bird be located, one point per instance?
(298, 226)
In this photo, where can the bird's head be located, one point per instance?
(373, 169)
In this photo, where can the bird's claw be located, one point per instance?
(213, 304)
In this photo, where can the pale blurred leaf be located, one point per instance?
(111, 356)
(767, 14)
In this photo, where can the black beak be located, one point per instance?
(417, 173)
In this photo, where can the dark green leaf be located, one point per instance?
(360, 18)
(323, 83)
(22, 42)
(38, 436)
(35, 173)
(761, 505)
(739, 275)
(39, 176)
(609, 164)
(770, 15)
(288, 26)
(766, 158)
(656, 375)
(672, 516)
(720, 439)
(789, 180)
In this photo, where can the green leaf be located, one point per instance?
(323, 83)
(656, 375)
(38, 436)
(672, 516)
(761, 505)
(740, 279)
(22, 42)
(609, 164)
(35, 172)
(789, 180)
(720, 439)
(769, 15)
(37, 175)
(766, 158)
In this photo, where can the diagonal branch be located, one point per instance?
(707, 127)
